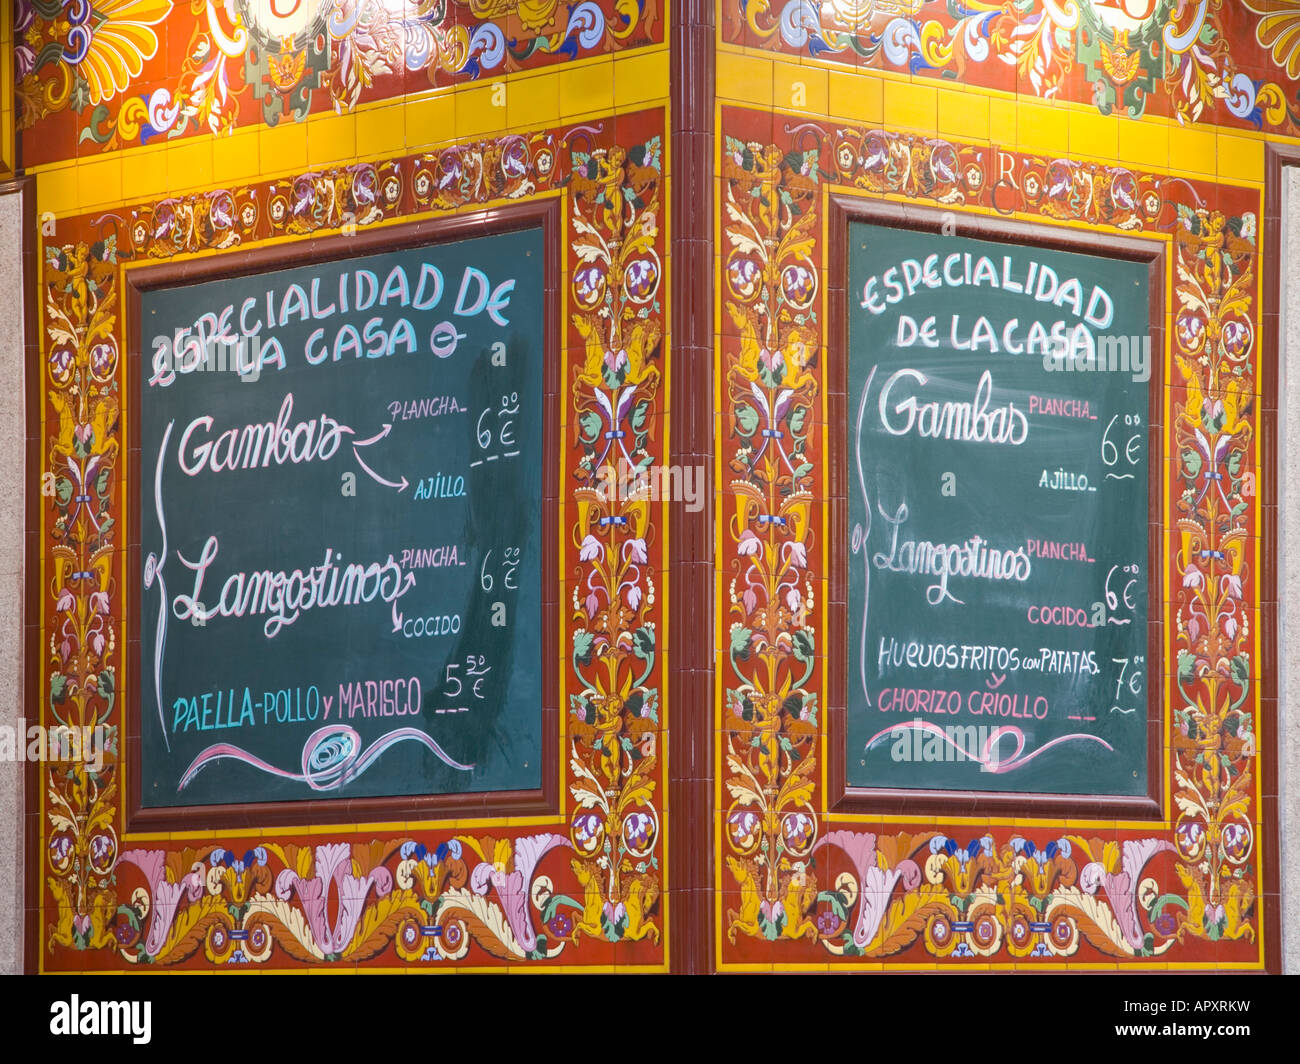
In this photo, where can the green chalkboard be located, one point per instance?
(340, 508)
(998, 467)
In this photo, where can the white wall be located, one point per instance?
(13, 435)
(1288, 577)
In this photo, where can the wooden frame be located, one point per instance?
(843, 798)
(542, 213)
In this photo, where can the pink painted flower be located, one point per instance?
(749, 543)
(333, 872)
(636, 550)
(512, 888)
(591, 548)
(166, 895)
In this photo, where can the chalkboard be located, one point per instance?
(997, 439)
(340, 510)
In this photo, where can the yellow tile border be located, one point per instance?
(400, 101)
(731, 56)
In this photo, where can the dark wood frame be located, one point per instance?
(237, 815)
(893, 800)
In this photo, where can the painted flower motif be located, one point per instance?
(60, 848)
(392, 189)
(544, 160)
(1032, 186)
(124, 932)
(641, 279)
(743, 827)
(616, 361)
(560, 925)
(845, 156)
(248, 216)
(423, 182)
(103, 359)
(637, 830)
(589, 284)
(1151, 204)
(103, 851)
(827, 922)
(588, 829)
(1236, 840)
(1191, 331)
(1236, 337)
(513, 886)
(109, 41)
(749, 544)
(591, 549)
(773, 361)
(974, 176)
(799, 284)
(334, 886)
(1193, 577)
(140, 234)
(1279, 31)
(1190, 836)
(744, 275)
(61, 362)
(278, 207)
(798, 829)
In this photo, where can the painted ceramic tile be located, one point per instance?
(585, 889)
(94, 75)
(1227, 62)
(808, 890)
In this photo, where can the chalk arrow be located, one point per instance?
(376, 477)
(994, 681)
(375, 438)
(397, 618)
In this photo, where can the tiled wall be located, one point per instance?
(1040, 113)
(515, 103)
(186, 148)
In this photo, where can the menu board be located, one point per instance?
(998, 474)
(340, 508)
